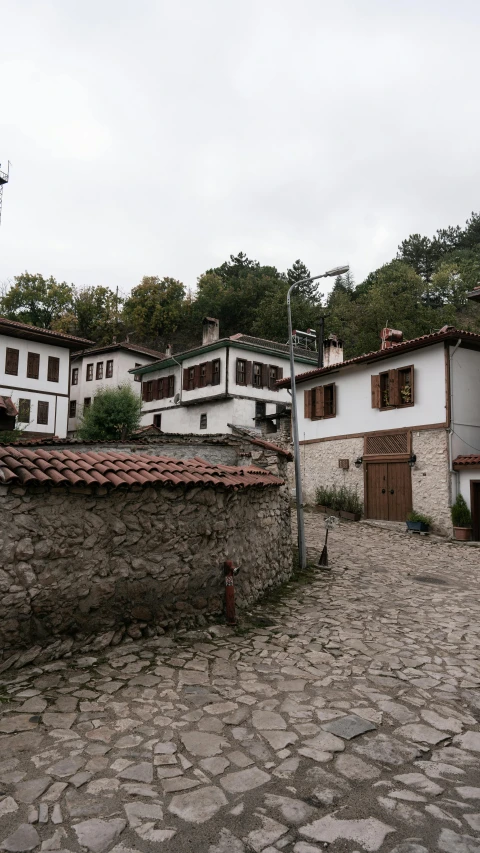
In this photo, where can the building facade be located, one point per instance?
(104, 367)
(34, 373)
(224, 382)
(390, 424)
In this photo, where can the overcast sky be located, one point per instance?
(156, 138)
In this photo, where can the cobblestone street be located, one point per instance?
(350, 718)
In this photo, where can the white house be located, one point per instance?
(103, 367)
(225, 381)
(34, 373)
(399, 425)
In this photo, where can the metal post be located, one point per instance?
(321, 327)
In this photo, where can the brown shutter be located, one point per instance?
(393, 388)
(279, 374)
(209, 373)
(185, 378)
(33, 365)
(412, 398)
(318, 395)
(307, 399)
(248, 373)
(334, 400)
(164, 382)
(196, 383)
(144, 391)
(53, 371)
(155, 389)
(265, 376)
(11, 361)
(376, 397)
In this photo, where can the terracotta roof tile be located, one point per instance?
(450, 333)
(5, 324)
(467, 460)
(22, 466)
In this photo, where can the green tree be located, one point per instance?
(114, 414)
(37, 300)
(298, 272)
(95, 314)
(153, 309)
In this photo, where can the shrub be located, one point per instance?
(461, 515)
(339, 499)
(419, 516)
(114, 414)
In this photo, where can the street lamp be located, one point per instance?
(302, 553)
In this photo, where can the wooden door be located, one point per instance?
(399, 491)
(388, 491)
(376, 504)
(475, 509)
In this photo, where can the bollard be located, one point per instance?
(230, 570)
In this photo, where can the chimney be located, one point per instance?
(168, 351)
(390, 337)
(211, 330)
(332, 351)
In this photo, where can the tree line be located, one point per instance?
(419, 291)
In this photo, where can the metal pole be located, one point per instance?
(321, 326)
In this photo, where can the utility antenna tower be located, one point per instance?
(4, 176)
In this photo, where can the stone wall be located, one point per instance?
(78, 564)
(319, 466)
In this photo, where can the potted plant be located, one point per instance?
(418, 521)
(461, 519)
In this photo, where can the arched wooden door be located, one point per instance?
(388, 489)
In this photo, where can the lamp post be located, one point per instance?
(302, 551)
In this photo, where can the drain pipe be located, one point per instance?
(455, 474)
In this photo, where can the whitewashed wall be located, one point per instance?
(465, 378)
(354, 408)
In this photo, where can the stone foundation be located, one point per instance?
(77, 564)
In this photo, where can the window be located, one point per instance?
(157, 421)
(87, 402)
(257, 375)
(137, 377)
(171, 386)
(109, 371)
(42, 412)
(11, 361)
(148, 391)
(216, 371)
(72, 409)
(241, 371)
(393, 389)
(53, 370)
(203, 375)
(203, 421)
(272, 376)
(23, 411)
(33, 366)
(320, 402)
(99, 371)
(260, 412)
(191, 378)
(75, 376)
(89, 372)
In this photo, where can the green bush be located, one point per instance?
(341, 498)
(461, 515)
(114, 414)
(419, 516)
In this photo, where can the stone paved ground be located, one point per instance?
(351, 721)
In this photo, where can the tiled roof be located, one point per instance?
(8, 406)
(128, 345)
(397, 349)
(25, 327)
(467, 460)
(261, 342)
(21, 466)
(269, 445)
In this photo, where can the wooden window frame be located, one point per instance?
(272, 376)
(74, 376)
(72, 409)
(89, 372)
(259, 404)
(33, 365)
(42, 412)
(204, 420)
(53, 369)
(149, 391)
(171, 385)
(241, 371)
(137, 378)
(389, 382)
(157, 421)
(99, 370)
(315, 403)
(202, 379)
(109, 370)
(191, 378)
(255, 365)
(87, 402)
(12, 357)
(24, 407)
(216, 371)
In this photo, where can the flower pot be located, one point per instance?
(419, 526)
(462, 534)
(351, 516)
(330, 511)
(320, 508)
